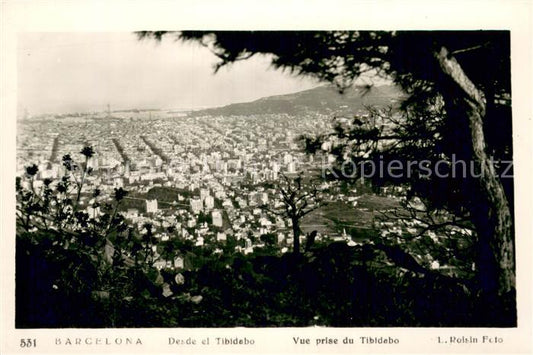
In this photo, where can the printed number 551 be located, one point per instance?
(28, 343)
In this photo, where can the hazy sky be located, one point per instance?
(66, 72)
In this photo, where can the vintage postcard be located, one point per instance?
(338, 178)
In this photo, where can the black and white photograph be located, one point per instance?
(265, 179)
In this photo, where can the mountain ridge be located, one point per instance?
(324, 99)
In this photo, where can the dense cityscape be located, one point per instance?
(208, 178)
(219, 171)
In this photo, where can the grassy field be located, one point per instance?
(332, 218)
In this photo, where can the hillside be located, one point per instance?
(322, 99)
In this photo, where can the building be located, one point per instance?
(287, 159)
(127, 169)
(196, 205)
(178, 262)
(291, 168)
(151, 206)
(262, 198)
(132, 213)
(209, 203)
(93, 212)
(204, 193)
(217, 218)
(157, 161)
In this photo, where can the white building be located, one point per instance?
(158, 161)
(217, 218)
(132, 213)
(291, 168)
(178, 262)
(191, 223)
(209, 203)
(196, 205)
(287, 159)
(93, 212)
(151, 206)
(204, 193)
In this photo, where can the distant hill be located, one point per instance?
(322, 99)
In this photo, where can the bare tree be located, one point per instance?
(299, 199)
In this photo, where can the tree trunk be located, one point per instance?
(296, 234)
(496, 264)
